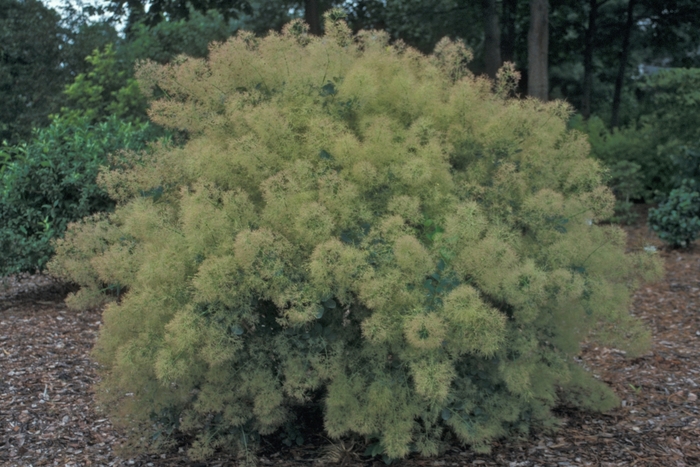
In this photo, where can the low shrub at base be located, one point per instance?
(677, 220)
(354, 224)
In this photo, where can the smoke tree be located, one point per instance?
(353, 224)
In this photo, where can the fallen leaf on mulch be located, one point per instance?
(48, 415)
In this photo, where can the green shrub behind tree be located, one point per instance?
(673, 110)
(52, 181)
(105, 91)
(168, 39)
(621, 149)
(677, 219)
(357, 225)
(31, 72)
(664, 141)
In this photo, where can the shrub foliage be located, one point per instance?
(677, 219)
(354, 223)
(653, 155)
(51, 181)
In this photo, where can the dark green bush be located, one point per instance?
(625, 179)
(672, 104)
(677, 219)
(357, 226)
(51, 181)
(105, 91)
(108, 87)
(664, 141)
(621, 150)
(672, 100)
(168, 39)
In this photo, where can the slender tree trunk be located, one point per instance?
(588, 60)
(508, 33)
(538, 50)
(492, 39)
(624, 54)
(312, 16)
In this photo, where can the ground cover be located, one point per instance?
(48, 417)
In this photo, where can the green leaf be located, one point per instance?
(374, 449)
(154, 193)
(319, 312)
(329, 304)
(328, 89)
(446, 414)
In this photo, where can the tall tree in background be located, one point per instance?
(312, 16)
(508, 29)
(421, 23)
(538, 50)
(31, 75)
(594, 5)
(492, 39)
(173, 10)
(624, 54)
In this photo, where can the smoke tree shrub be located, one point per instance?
(356, 224)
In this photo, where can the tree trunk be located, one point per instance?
(588, 60)
(624, 54)
(538, 50)
(312, 16)
(508, 33)
(492, 39)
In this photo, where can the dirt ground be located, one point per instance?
(48, 417)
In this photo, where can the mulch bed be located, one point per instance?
(48, 417)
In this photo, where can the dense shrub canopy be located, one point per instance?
(356, 223)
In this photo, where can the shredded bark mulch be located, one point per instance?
(48, 415)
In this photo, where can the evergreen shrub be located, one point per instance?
(623, 148)
(106, 90)
(663, 141)
(356, 225)
(673, 105)
(677, 219)
(51, 181)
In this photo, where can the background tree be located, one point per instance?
(31, 75)
(492, 39)
(593, 8)
(538, 50)
(508, 29)
(312, 16)
(422, 23)
(135, 11)
(624, 55)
